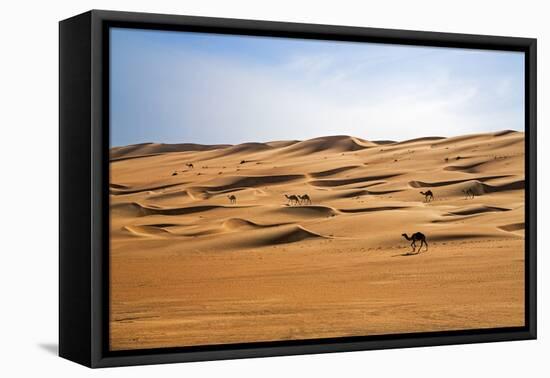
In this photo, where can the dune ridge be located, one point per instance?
(151, 149)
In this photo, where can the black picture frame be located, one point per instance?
(83, 195)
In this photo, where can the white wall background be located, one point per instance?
(29, 186)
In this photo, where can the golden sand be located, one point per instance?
(189, 267)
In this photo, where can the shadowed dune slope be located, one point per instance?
(279, 235)
(477, 209)
(144, 149)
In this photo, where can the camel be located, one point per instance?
(417, 236)
(305, 199)
(428, 196)
(469, 193)
(232, 199)
(190, 165)
(292, 199)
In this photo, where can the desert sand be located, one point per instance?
(191, 265)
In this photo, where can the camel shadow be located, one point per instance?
(407, 254)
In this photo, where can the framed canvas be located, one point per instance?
(236, 188)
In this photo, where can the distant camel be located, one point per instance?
(428, 196)
(469, 193)
(417, 236)
(232, 199)
(190, 165)
(305, 199)
(292, 199)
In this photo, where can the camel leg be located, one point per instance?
(425, 242)
(413, 245)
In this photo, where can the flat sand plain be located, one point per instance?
(189, 267)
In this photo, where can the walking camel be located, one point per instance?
(232, 199)
(305, 199)
(428, 196)
(190, 165)
(292, 199)
(469, 193)
(417, 236)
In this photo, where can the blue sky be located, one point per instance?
(180, 87)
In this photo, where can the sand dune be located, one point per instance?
(145, 230)
(149, 149)
(280, 235)
(513, 227)
(513, 185)
(281, 143)
(421, 184)
(191, 267)
(354, 180)
(469, 168)
(476, 209)
(239, 224)
(419, 140)
(234, 182)
(311, 211)
(334, 171)
(122, 189)
(249, 149)
(339, 143)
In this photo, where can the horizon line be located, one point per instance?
(319, 137)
